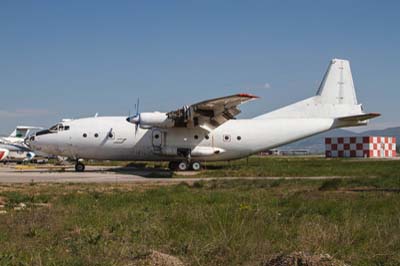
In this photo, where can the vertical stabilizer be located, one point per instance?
(336, 97)
(337, 87)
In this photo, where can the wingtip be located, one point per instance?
(248, 95)
(375, 114)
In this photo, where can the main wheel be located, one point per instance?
(196, 166)
(173, 166)
(183, 166)
(79, 167)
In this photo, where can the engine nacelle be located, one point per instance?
(155, 119)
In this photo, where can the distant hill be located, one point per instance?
(316, 144)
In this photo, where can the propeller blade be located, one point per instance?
(137, 116)
(137, 106)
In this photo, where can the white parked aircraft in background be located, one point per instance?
(13, 148)
(207, 131)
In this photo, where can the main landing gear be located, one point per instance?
(79, 167)
(184, 166)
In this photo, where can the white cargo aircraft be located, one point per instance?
(207, 131)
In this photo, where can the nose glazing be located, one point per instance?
(28, 141)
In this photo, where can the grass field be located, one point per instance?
(221, 222)
(275, 166)
(302, 166)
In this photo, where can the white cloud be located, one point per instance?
(267, 85)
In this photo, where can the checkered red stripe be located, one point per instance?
(369, 146)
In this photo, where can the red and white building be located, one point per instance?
(369, 146)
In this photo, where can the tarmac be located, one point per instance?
(106, 174)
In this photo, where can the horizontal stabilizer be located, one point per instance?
(358, 118)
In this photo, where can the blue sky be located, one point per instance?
(70, 59)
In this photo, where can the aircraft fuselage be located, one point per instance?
(113, 138)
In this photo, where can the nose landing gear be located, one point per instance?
(79, 167)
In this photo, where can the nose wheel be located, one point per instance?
(79, 167)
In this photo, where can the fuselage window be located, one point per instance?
(84, 135)
(207, 136)
(227, 138)
(66, 128)
(110, 135)
(239, 137)
(96, 135)
(196, 137)
(156, 136)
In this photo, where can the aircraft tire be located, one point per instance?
(173, 165)
(183, 166)
(195, 166)
(79, 167)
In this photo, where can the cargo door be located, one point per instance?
(157, 140)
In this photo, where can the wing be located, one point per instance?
(210, 113)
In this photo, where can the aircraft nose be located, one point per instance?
(34, 143)
(28, 141)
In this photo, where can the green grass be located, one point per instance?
(256, 166)
(302, 166)
(219, 222)
(270, 166)
(274, 166)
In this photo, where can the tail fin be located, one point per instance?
(337, 87)
(336, 97)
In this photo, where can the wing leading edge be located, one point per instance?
(210, 113)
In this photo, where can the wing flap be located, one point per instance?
(213, 112)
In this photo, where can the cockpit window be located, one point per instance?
(58, 127)
(54, 128)
(21, 133)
